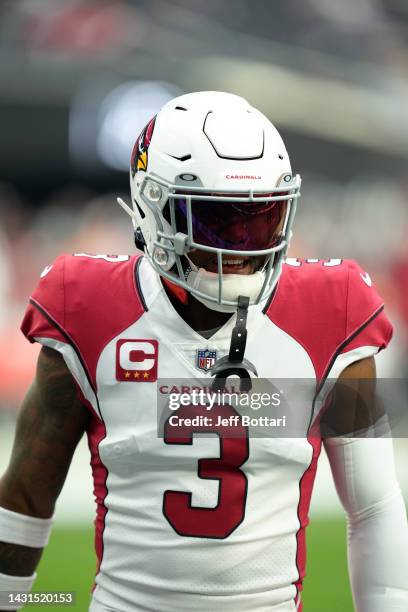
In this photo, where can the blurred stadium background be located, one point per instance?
(80, 78)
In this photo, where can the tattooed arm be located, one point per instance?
(50, 425)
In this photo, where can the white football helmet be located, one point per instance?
(210, 173)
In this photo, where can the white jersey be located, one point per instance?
(195, 522)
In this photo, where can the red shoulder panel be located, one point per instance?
(50, 294)
(329, 306)
(363, 327)
(85, 300)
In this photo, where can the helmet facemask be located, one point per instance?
(193, 224)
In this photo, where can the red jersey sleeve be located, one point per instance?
(366, 321)
(45, 313)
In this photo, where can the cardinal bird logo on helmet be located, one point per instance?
(139, 157)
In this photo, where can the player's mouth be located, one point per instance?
(231, 265)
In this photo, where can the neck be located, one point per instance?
(203, 320)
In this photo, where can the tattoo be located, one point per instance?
(50, 425)
(16, 560)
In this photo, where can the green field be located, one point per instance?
(68, 564)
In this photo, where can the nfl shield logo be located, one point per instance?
(206, 359)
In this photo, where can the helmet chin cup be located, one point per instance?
(233, 285)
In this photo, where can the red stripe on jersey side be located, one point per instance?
(298, 603)
(96, 433)
(305, 494)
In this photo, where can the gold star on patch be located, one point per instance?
(127, 374)
(136, 374)
(146, 375)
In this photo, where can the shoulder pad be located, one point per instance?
(84, 300)
(329, 306)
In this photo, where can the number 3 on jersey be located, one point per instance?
(221, 521)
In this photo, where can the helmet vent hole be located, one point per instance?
(183, 158)
(280, 156)
(141, 213)
(180, 108)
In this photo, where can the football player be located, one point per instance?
(194, 516)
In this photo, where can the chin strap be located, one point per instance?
(234, 362)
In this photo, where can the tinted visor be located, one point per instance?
(250, 226)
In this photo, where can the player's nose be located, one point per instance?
(237, 233)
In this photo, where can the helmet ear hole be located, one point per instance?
(166, 212)
(139, 239)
